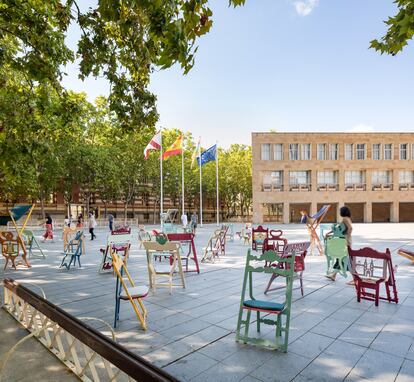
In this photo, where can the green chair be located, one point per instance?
(336, 253)
(284, 266)
(32, 245)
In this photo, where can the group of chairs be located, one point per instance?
(216, 245)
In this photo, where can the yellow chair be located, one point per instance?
(134, 294)
(164, 269)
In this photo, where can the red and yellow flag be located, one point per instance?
(175, 149)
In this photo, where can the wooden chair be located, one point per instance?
(299, 251)
(11, 247)
(230, 233)
(161, 269)
(283, 267)
(143, 235)
(121, 244)
(213, 248)
(370, 269)
(186, 240)
(74, 250)
(32, 245)
(259, 235)
(312, 224)
(336, 255)
(134, 294)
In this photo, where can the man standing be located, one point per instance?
(111, 222)
(194, 219)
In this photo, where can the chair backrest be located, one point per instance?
(259, 235)
(153, 246)
(321, 213)
(119, 240)
(181, 237)
(367, 263)
(299, 251)
(75, 244)
(284, 266)
(121, 230)
(339, 230)
(9, 243)
(336, 248)
(275, 241)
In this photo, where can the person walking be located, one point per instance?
(92, 224)
(111, 222)
(184, 220)
(194, 220)
(49, 228)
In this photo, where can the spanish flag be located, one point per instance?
(175, 149)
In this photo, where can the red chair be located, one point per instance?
(259, 235)
(370, 269)
(187, 239)
(275, 242)
(299, 250)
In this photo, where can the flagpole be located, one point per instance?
(182, 175)
(201, 183)
(162, 181)
(217, 186)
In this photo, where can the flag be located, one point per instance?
(208, 155)
(175, 149)
(154, 144)
(195, 153)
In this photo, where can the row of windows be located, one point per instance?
(330, 151)
(329, 179)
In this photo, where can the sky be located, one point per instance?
(286, 66)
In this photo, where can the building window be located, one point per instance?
(327, 180)
(406, 179)
(349, 151)
(294, 151)
(360, 151)
(321, 151)
(299, 180)
(388, 151)
(354, 180)
(305, 151)
(265, 151)
(334, 151)
(403, 151)
(274, 212)
(273, 181)
(278, 151)
(381, 179)
(376, 151)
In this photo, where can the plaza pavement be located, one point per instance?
(191, 332)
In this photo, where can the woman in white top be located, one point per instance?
(92, 224)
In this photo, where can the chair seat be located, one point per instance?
(265, 305)
(135, 292)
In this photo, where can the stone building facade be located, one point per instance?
(372, 173)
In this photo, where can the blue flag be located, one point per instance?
(208, 155)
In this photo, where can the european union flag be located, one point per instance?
(208, 155)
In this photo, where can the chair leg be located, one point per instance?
(246, 328)
(377, 295)
(301, 282)
(239, 320)
(258, 321)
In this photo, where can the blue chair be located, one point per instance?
(74, 250)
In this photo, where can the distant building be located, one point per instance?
(372, 173)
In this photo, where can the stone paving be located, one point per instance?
(191, 332)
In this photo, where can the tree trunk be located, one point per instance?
(125, 212)
(42, 208)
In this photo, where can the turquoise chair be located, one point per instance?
(283, 266)
(73, 251)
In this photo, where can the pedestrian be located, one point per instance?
(92, 224)
(79, 223)
(184, 220)
(111, 222)
(49, 228)
(194, 220)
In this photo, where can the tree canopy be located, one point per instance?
(121, 41)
